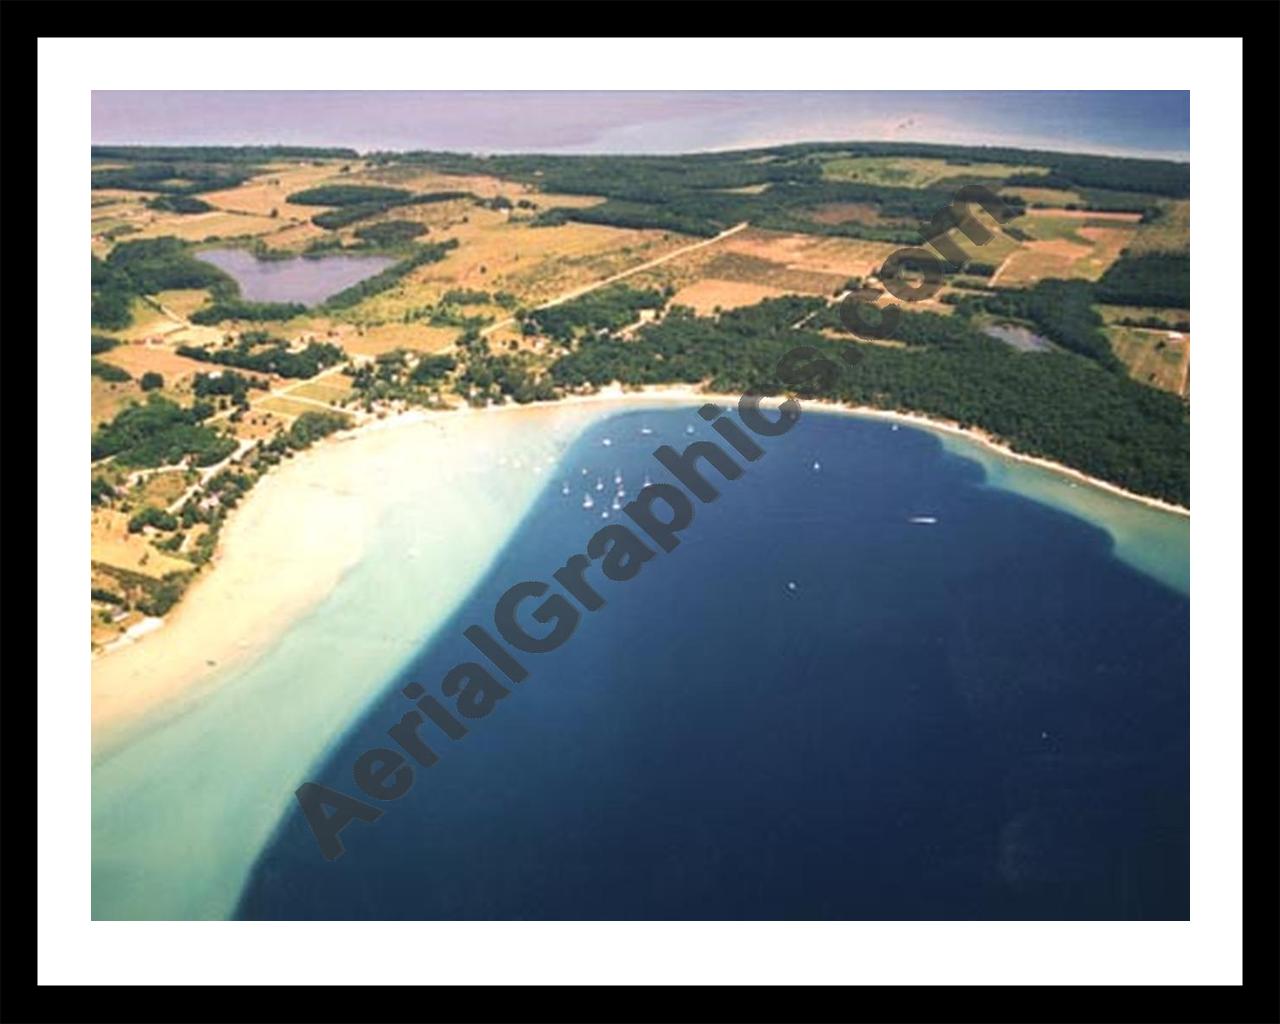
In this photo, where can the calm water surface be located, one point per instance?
(309, 281)
(867, 684)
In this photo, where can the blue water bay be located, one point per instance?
(867, 684)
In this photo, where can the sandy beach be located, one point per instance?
(306, 523)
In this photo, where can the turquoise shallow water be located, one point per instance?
(980, 716)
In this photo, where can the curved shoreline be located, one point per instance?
(269, 571)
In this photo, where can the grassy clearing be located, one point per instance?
(1170, 232)
(1158, 358)
(160, 489)
(914, 172)
(112, 544)
(712, 294)
(286, 407)
(1171, 318)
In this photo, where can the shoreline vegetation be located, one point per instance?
(267, 573)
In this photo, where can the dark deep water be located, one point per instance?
(986, 717)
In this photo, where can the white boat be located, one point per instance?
(816, 465)
(587, 502)
(564, 489)
(689, 429)
(599, 484)
(617, 476)
(923, 520)
(646, 431)
(606, 442)
(617, 505)
(604, 515)
(647, 481)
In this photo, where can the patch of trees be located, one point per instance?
(607, 309)
(421, 255)
(331, 220)
(144, 267)
(99, 343)
(100, 491)
(347, 195)
(1055, 405)
(351, 213)
(1061, 310)
(108, 371)
(259, 351)
(227, 383)
(161, 433)
(310, 427)
(487, 378)
(178, 204)
(390, 232)
(242, 309)
(1152, 279)
(465, 297)
(154, 517)
(151, 381)
(219, 154)
(173, 177)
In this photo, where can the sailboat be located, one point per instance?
(599, 484)
(587, 501)
(617, 477)
(565, 488)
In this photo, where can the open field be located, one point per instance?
(285, 407)
(106, 398)
(161, 489)
(534, 263)
(1051, 197)
(182, 301)
(839, 257)
(1066, 244)
(261, 195)
(710, 295)
(334, 387)
(1158, 358)
(141, 358)
(1172, 318)
(112, 544)
(201, 227)
(1171, 232)
(914, 172)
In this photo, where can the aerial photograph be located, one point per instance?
(664, 506)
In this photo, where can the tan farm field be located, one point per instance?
(710, 295)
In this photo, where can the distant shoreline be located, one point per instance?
(980, 437)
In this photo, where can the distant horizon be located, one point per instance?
(482, 154)
(1140, 125)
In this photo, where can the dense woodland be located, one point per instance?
(607, 309)
(1152, 279)
(1053, 404)
(161, 433)
(134, 269)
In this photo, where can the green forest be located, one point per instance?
(1054, 404)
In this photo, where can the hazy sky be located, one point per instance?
(1131, 123)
